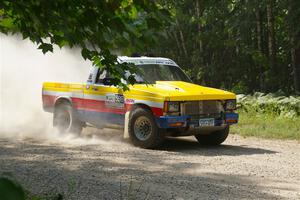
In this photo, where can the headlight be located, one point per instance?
(231, 104)
(173, 106)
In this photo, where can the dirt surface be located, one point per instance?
(106, 167)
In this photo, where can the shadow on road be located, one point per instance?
(96, 171)
(95, 164)
(190, 146)
(186, 145)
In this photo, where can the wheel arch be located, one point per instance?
(142, 105)
(64, 104)
(61, 100)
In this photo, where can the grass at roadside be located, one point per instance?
(267, 126)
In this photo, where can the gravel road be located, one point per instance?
(106, 167)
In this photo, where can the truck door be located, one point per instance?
(103, 103)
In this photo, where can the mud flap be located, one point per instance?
(126, 133)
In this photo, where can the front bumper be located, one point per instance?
(167, 122)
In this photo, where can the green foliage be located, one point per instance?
(270, 104)
(228, 42)
(268, 116)
(239, 88)
(196, 75)
(10, 190)
(97, 27)
(224, 44)
(267, 126)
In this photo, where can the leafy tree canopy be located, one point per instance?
(97, 27)
(241, 45)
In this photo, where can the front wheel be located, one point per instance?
(143, 130)
(214, 138)
(65, 119)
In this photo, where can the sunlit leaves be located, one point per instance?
(272, 104)
(97, 27)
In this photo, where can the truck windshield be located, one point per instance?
(152, 73)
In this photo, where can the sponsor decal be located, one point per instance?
(114, 100)
(129, 101)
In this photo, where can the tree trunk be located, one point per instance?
(294, 33)
(260, 47)
(199, 13)
(295, 56)
(177, 41)
(271, 42)
(182, 39)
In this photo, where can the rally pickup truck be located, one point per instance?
(163, 103)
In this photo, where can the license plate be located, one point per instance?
(207, 122)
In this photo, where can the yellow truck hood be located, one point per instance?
(182, 91)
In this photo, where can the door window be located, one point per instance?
(102, 74)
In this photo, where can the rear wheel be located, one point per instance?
(143, 130)
(214, 138)
(65, 119)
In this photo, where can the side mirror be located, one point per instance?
(107, 81)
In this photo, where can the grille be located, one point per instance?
(201, 107)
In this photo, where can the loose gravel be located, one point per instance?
(107, 167)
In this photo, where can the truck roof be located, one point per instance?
(146, 60)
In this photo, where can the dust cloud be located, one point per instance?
(23, 69)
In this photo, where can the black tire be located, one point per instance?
(66, 120)
(143, 130)
(214, 138)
